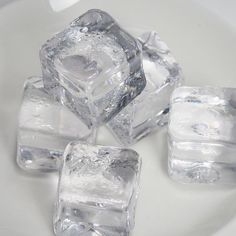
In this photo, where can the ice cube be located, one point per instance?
(149, 111)
(93, 67)
(202, 135)
(45, 128)
(97, 191)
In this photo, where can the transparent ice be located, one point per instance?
(45, 128)
(202, 135)
(97, 191)
(149, 111)
(93, 67)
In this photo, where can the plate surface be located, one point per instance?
(206, 49)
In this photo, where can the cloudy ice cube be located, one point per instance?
(149, 111)
(97, 191)
(45, 128)
(93, 67)
(202, 135)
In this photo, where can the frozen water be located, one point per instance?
(97, 191)
(149, 111)
(202, 135)
(93, 67)
(45, 128)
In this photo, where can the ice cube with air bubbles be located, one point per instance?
(45, 128)
(149, 111)
(93, 67)
(202, 137)
(97, 191)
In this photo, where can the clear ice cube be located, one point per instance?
(97, 191)
(149, 111)
(45, 128)
(202, 137)
(93, 67)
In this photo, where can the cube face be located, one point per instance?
(45, 128)
(97, 190)
(202, 140)
(93, 67)
(149, 111)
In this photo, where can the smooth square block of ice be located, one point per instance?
(45, 128)
(202, 137)
(97, 191)
(93, 67)
(149, 111)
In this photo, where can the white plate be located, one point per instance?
(206, 49)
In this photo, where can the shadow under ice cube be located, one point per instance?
(97, 191)
(202, 135)
(93, 67)
(149, 111)
(45, 128)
